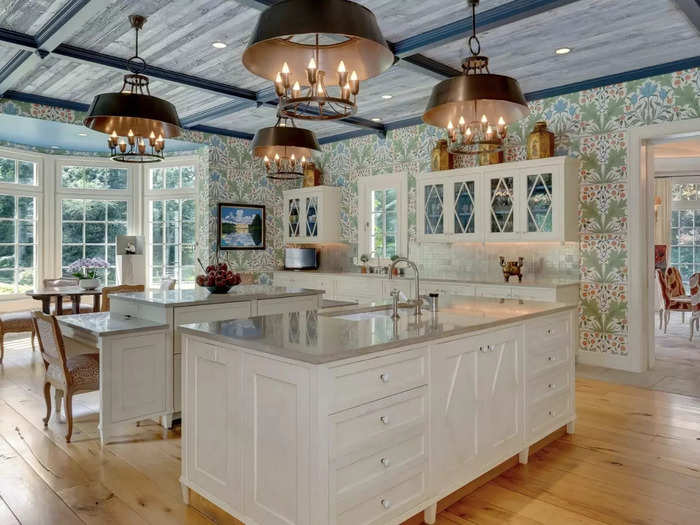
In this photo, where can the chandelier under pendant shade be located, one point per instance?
(316, 54)
(285, 149)
(476, 107)
(137, 122)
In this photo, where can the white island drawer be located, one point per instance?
(546, 384)
(550, 330)
(547, 413)
(211, 312)
(373, 379)
(379, 424)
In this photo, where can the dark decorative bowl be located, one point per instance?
(219, 289)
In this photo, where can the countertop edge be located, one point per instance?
(222, 298)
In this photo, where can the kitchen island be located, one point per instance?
(176, 307)
(348, 416)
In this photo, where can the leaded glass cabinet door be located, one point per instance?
(294, 218)
(311, 216)
(502, 206)
(465, 208)
(434, 210)
(539, 203)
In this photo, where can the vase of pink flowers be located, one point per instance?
(86, 270)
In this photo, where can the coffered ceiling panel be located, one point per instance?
(28, 16)
(605, 37)
(6, 54)
(80, 82)
(249, 120)
(178, 36)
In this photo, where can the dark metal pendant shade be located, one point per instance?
(472, 96)
(285, 33)
(140, 114)
(287, 140)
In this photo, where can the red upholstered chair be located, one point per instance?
(670, 302)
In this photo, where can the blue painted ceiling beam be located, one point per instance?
(19, 40)
(47, 101)
(485, 20)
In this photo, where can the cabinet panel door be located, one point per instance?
(541, 204)
(293, 219)
(502, 203)
(212, 420)
(311, 215)
(500, 394)
(433, 205)
(277, 478)
(453, 412)
(464, 211)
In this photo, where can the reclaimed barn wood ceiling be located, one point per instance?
(84, 44)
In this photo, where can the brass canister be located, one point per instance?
(441, 158)
(312, 176)
(540, 143)
(491, 154)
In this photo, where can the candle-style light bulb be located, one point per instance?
(160, 143)
(346, 91)
(113, 139)
(293, 160)
(285, 75)
(319, 89)
(462, 124)
(277, 161)
(501, 122)
(484, 122)
(451, 131)
(354, 83)
(130, 137)
(142, 146)
(489, 132)
(311, 70)
(122, 146)
(342, 74)
(279, 85)
(152, 139)
(303, 162)
(296, 90)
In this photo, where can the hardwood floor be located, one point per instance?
(635, 458)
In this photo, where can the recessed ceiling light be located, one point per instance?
(83, 134)
(219, 45)
(376, 119)
(563, 51)
(387, 97)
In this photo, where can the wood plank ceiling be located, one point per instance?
(607, 37)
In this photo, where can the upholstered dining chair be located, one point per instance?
(694, 303)
(670, 302)
(674, 282)
(69, 376)
(122, 288)
(66, 282)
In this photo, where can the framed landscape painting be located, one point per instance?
(241, 226)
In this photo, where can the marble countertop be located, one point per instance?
(341, 333)
(106, 323)
(528, 282)
(198, 295)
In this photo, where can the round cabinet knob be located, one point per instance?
(384, 419)
(386, 503)
(551, 385)
(549, 331)
(551, 413)
(384, 462)
(550, 358)
(384, 377)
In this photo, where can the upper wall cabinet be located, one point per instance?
(311, 215)
(534, 200)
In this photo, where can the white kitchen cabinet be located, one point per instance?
(212, 421)
(449, 208)
(311, 215)
(533, 200)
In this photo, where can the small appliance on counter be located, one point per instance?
(300, 259)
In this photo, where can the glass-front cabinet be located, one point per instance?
(311, 215)
(517, 201)
(448, 207)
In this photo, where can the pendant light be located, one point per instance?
(476, 107)
(285, 149)
(137, 122)
(316, 54)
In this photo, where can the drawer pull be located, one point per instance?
(549, 331)
(384, 419)
(552, 413)
(384, 462)
(551, 386)
(482, 349)
(550, 358)
(384, 377)
(386, 503)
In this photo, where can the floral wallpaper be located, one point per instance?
(589, 125)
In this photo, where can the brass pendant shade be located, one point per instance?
(142, 114)
(286, 32)
(285, 149)
(473, 96)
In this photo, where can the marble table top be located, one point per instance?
(63, 291)
(198, 295)
(106, 323)
(332, 335)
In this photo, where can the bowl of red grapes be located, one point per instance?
(218, 278)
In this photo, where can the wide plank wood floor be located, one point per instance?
(635, 458)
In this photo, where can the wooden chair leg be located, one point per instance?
(661, 319)
(47, 398)
(33, 337)
(57, 396)
(69, 414)
(2, 345)
(667, 314)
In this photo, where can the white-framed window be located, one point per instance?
(171, 222)
(382, 216)
(94, 204)
(20, 229)
(685, 227)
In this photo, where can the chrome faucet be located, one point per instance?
(418, 303)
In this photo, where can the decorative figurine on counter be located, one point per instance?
(540, 143)
(512, 268)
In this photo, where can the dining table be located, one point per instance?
(46, 295)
